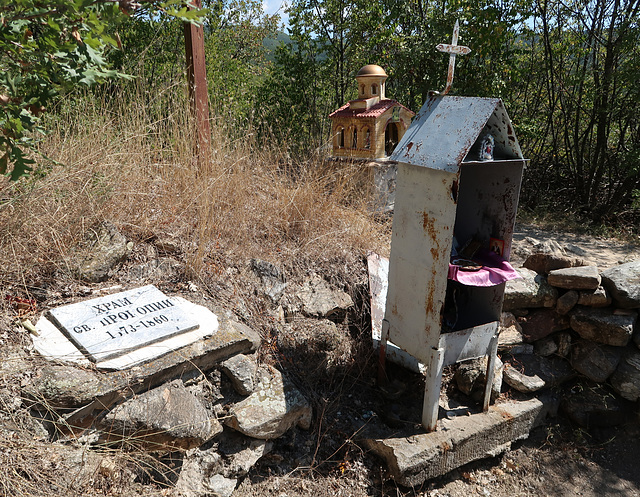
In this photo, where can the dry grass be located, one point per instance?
(134, 165)
(124, 164)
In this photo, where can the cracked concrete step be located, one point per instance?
(413, 458)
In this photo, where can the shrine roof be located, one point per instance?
(448, 128)
(374, 111)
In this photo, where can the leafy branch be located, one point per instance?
(50, 46)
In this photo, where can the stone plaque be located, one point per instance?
(111, 326)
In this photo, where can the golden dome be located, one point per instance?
(371, 70)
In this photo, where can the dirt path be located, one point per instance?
(603, 252)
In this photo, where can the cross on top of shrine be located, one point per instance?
(453, 49)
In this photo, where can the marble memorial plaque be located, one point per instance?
(114, 325)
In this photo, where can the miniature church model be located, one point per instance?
(371, 126)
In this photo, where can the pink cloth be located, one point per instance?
(495, 270)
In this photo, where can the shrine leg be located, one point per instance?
(432, 384)
(491, 367)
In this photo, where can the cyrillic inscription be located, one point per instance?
(111, 326)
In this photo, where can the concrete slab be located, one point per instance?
(54, 343)
(413, 458)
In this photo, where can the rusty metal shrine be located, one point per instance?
(459, 173)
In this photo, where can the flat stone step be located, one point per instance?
(413, 458)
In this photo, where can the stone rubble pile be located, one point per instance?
(211, 404)
(219, 426)
(219, 409)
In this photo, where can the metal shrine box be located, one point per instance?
(451, 193)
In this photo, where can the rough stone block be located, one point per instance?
(103, 248)
(545, 263)
(320, 300)
(597, 362)
(575, 278)
(165, 418)
(241, 370)
(563, 339)
(623, 283)
(470, 377)
(626, 379)
(413, 458)
(510, 332)
(545, 347)
(529, 291)
(594, 298)
(274, 407)
(271, 277)
(530, 373)
(603, 325)
(540, 323)
(567, 302)
(215, 471)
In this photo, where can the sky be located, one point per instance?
(273, 6)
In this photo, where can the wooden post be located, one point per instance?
(197, 75)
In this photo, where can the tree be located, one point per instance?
(49, 46)
(235, 31)
(332, 39)
(588, 61)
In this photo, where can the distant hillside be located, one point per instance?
(270, 44)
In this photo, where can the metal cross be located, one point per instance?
(453, 50)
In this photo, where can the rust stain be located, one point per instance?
(429, 228)
(427, 225)
(429, 303)
(441, 315)
(505, 415)
(409, 146)
(460, 157)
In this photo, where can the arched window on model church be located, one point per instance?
(367, 137)
(354, 142)
(340, 137)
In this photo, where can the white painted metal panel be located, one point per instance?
(467, 344)
(378, 284)
(421, 245)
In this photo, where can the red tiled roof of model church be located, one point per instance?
(374, 111)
